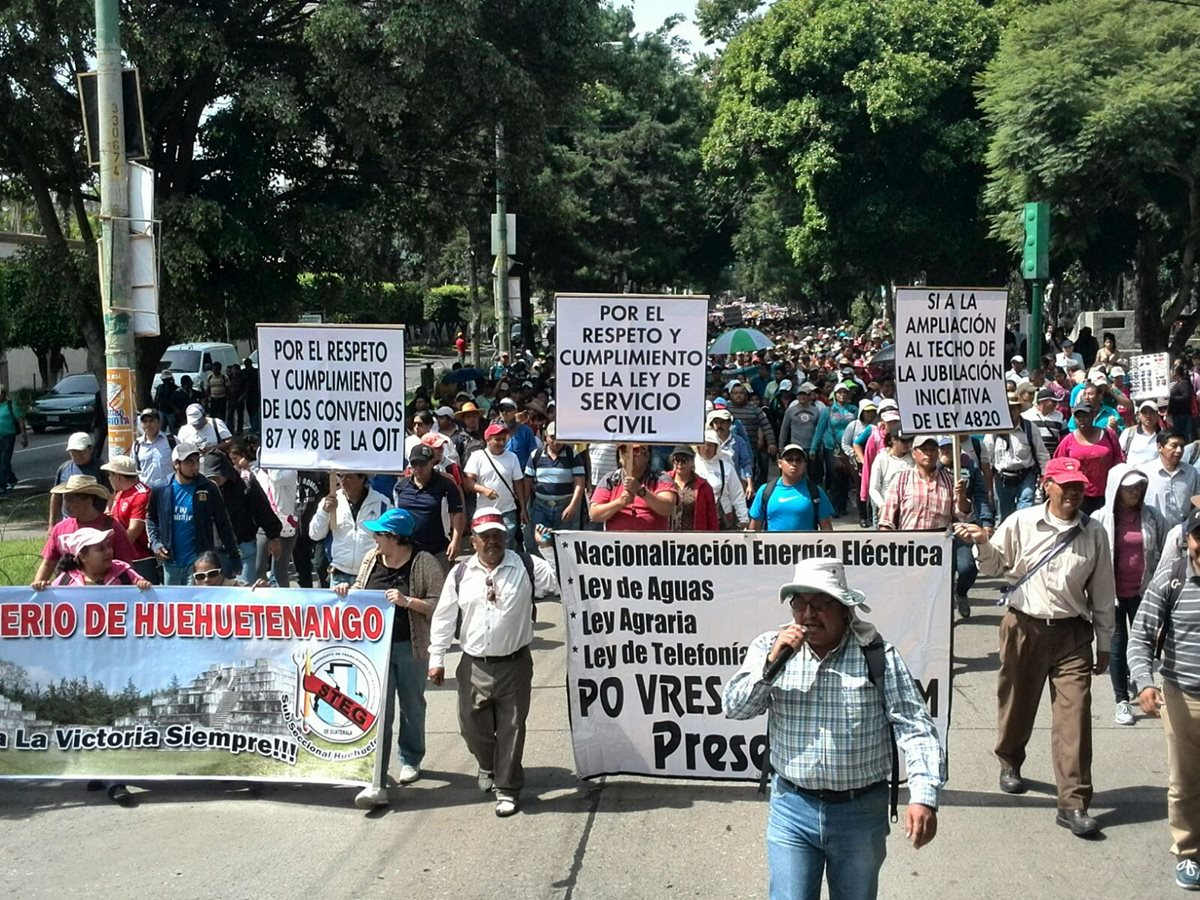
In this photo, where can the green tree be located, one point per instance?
(1094, 106)
(861, 118)
(40, 290)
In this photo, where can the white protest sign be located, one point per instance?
(658, 623)
(1149, 376)
(950, 360)
(631, 368)
(332, 397)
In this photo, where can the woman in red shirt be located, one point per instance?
(696, 509)
(634, 498)
(1097, 451)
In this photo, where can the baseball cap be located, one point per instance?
(488, 518)
(945, 440)
(76, 541)
(785, 385)
(435, 439)
(1080, 406)
(1116, 372)
(494, 429)
(890, 415)
(1099, 378)
(1045, 394)
(195, 414)
(444, 412)
(148, 413)
(1067, 342)
(888, 403)
(1193, 521)
(397, 521)
(421, 453)
(807, 388)
(1017, 358)
(183, 450)
(721, 414)
(785, 450)
(922, 439)
(508, 403)
(1148, 404)
(1065, 470)
(683, 450)
(80, 440)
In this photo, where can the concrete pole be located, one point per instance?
(120, 396)
(503, 315)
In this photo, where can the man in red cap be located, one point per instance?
(495, 474)
(1061, 596)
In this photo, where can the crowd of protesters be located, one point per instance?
(800, 433)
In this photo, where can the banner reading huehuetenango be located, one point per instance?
(113, 682)
(657, 624)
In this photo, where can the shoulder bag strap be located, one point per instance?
(877, 674)
(1059, 546)
(500, 475)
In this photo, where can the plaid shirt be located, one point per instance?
(827, 730)
(915, 503)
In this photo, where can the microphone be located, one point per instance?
(776, 665)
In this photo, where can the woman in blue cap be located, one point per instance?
(411, 580)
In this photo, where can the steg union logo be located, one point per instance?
(338, 694)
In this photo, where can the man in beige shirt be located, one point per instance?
(1061, 599)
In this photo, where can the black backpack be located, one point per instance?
(876, 664)
(814, 494)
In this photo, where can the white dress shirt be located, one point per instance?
(722, 476)
(1011, 451)
(489, 629)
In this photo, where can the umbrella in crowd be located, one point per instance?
(459, 376)
(740, 340)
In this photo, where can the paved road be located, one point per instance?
(37, 464)
(615, 838)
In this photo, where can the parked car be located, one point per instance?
(194, 359)
(70, 404)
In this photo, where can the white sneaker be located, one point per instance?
(1124, 713)
(371, 797)
(409, 774)
(506, 804)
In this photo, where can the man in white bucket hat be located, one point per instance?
(834, 688)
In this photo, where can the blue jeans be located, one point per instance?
(1019, 496)
(1118, 666)
(243, 570)
(512, 523)
(807, 837)
(965, 568)
(548, 515)
(336, 578)
(176, 576)
(406, 688)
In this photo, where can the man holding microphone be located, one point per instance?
(834, 689)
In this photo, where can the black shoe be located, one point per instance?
(963, 602)
(1080, 823)
(95, 785)
(118, 793)
(1011, 782)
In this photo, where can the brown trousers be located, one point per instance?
(1181, 722)
(493, 703)
(1031, 652)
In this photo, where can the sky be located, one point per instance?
(649, 14)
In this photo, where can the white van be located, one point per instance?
(195, 360)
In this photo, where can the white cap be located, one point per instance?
(1018, 358)
(444, 411)
(1116, 372)
(488, 518)
(80, 440)
(195, 414)
(785, 385)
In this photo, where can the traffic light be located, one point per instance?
(1035, 262)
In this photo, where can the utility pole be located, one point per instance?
(503, 315)
(115, 301)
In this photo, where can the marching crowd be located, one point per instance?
(1086, 507)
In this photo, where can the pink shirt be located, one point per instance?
(1129, 554)
(122, 548)
(1094, 459)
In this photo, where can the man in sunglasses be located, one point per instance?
(494, 590)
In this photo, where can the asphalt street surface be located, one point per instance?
(615, 838)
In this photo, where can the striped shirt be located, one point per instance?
(554, 479)
(826, 728)
(1181, 649)
(753, 419)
